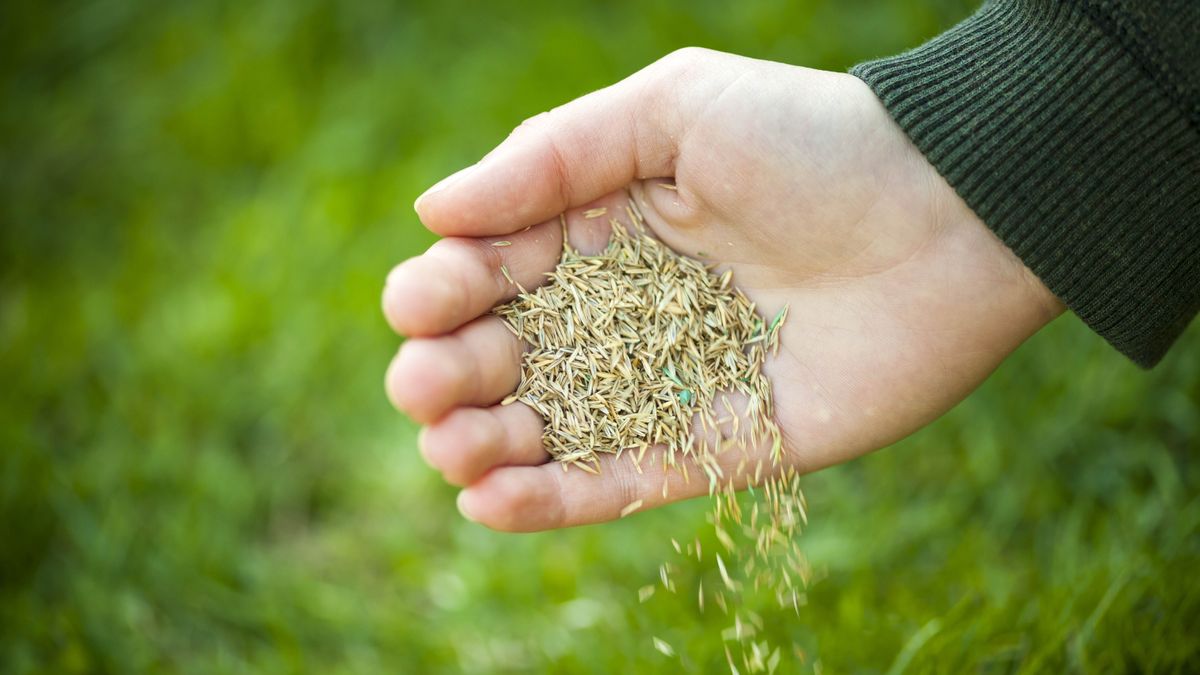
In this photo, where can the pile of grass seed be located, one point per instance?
(639, 346)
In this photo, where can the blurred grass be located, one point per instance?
(200, 472)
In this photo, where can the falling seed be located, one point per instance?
(630, 507)
(663, 647)
(729, 657)
(725, 574)
(723, 537)
(720, 598)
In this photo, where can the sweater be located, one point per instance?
(1072, 129)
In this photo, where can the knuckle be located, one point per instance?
(665, 82)
(533, 122)
(627, 483)
(685, 58)
(464, 368)
(475, 257)
(545, 129)
(461, 251)
(486, 433)
(510, 507)
(557, 157)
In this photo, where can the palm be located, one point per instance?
(826, 207)
(901, 302)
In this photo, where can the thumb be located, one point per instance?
(569, 156)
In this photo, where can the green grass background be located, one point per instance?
(199, 472)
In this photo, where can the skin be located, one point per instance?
(902, 301)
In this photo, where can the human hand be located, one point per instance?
(901, 300)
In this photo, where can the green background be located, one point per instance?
(199, 471)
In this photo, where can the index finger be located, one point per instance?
(461, 278)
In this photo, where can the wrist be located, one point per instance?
(1015, 301)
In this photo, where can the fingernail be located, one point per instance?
(443, 184)
(462, 509)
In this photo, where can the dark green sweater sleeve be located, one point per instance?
(1072, 129)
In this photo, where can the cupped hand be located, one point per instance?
(901, 301)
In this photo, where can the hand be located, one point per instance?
(902, 301)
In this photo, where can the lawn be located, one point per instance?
(200, 472)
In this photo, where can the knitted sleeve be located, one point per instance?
(1072, 129)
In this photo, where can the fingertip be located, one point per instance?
(440, 186)
(464, 509)
(423, 444)
(463, 444)
(389, 377)
(519, 183)
(420, 382)
(416, 303)
(511, 499)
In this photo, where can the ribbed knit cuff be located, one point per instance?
(1070, 153)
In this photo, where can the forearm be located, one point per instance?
(1078, 147)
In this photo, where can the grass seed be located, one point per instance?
(638, 346)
